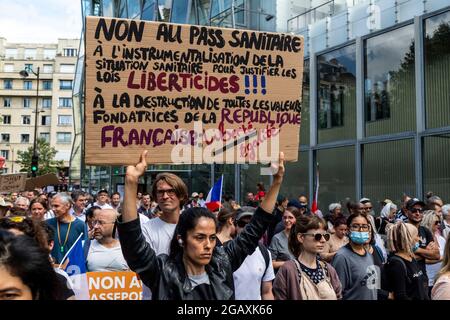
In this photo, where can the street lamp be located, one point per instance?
(34, 158)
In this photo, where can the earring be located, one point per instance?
(180, 242)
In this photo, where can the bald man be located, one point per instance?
(104, 252)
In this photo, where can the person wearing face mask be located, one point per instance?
(404, 277)
(354, 265)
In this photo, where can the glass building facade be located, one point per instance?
(375, 99)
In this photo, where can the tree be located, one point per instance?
(46, 154)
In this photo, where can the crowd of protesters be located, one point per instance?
(270, 247)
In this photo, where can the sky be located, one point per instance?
(39, 21)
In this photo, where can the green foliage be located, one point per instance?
(46, 156)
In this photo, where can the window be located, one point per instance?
(7, 84)
(63, 137)
(49, 54)
(30, 53)
(46, 102)
(65, 84)
(24, 138)
(304, 128)
(148, 11)
(392, 176)
(5, 137)
(390, 97)
(45, 136)
(28, 67)
(64, 120)
(48, 68)
(67, 68)
(26, 102)
(27, 85)
(436, 165)
(134, 8)
(65, 102)
(47, 85)
(7, 102)
(437, 64)
(337, 175)
(8, 67)
(69, 52)
(46, 120)
(293, 187)
(11, 52)
(336, 115)
(5, 154)
(6, 119)
(26, 119)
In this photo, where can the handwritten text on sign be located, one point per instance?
(190, 94)
(12, 182)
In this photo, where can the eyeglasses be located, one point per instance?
(414, 210)
(318, 236)
(362, 227)
(100, 223)
(170, 192)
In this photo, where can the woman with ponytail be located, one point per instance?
(404, 277)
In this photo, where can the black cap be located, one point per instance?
(297, 204)
(412, 202)
(244, 212)
(103, 191)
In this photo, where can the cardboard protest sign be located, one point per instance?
(190, 94)
(121, 285)
(12, 182)
(41, 181)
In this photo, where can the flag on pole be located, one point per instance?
(214, 198)
(314, 206)
(76, 269)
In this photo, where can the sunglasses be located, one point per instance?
(318, 236)
(414, 210)
(437, 222)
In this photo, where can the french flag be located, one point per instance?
(214, 198)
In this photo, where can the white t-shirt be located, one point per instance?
(433, 269)
(247, 279)
(143, 219)
(49, 215)
(101, 258)
(158, 234)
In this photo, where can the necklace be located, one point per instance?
(59, 236)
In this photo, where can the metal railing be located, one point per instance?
(320, 12)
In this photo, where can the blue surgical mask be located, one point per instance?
(415, 247)
(359, 237)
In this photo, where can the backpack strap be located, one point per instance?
(265, 254)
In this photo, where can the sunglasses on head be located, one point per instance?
(318, 236)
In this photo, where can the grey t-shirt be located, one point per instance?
(359, 276)
(199, 279)
(279, 247)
